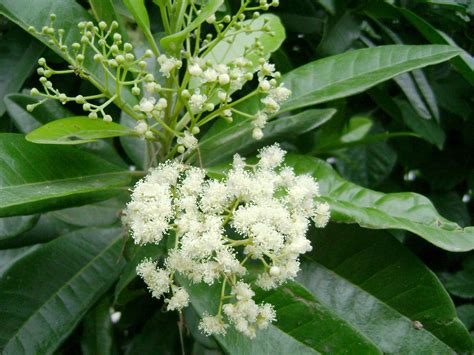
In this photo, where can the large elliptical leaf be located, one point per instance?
(373, 282)
(39, 311)
(353, 72)
(371, 209)
(36, 178)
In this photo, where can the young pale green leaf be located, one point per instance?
(464, 62)
(172, 42)
(19, 53)
(39, 311)
(138, 10)
(237, 137)
(77, 130)
(391, 298)
(353, 72)
(226, 52)
(371, 209)
(36, 178)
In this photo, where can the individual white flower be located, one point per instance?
(270, 104)
(280, 93)
(197, 101)
(210, 76)
(156, 279)
(212, 325)
(141, 127)
(147, 105)
(168, 64)
(179, 300)
(257, 134)
(321, 215)
(195, 69)
(188, 141)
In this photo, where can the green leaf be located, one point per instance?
(36, 178)
(353, 72)
(138, 10)
(461, 284)
(466, 314)
(12, 226)
(225, 52)
(371, 209)
(382, 294)
(10, 256)
(149, 342)
(97, 330)
(19, 53)
(172, 43)
(77, 130)
(46, 229)
(340, 33)
(464, 62)
(304, 326)
(39, 311)
(237, 137)
(427, 129)
(103, 213)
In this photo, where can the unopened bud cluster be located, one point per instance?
(185, 91)
(257, 214)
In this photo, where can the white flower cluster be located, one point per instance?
(257, 212)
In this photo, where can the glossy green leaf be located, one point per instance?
(97, 330)
(35, 178)
(464, 62)
(237, 137)
(39, 311)
(149, 341)
(103, 213)
(138, 10)
(382, 294)
(51, 110)
(10, 256)
(19, 53)
(371, 209)
(12, 226)
(430, 130)
(76, 130)
(340, 33)
(353, 72)
(461, 284)
(466, 315)
(46, 229)
(172, 42)
(305, 326)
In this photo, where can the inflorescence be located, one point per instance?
(257, 215)
(187, 90)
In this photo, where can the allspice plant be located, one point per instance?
(168, 184)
